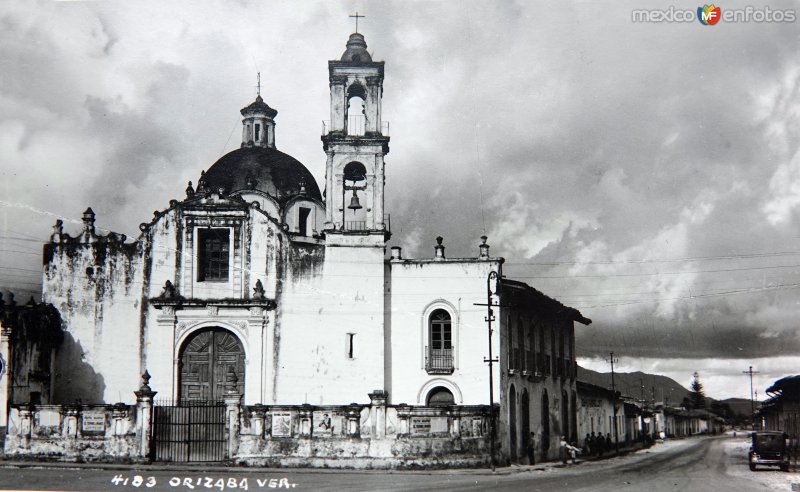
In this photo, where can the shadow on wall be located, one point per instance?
(75, 379)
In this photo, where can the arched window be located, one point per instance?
(439, 357)
(510, 337)
(439, 397)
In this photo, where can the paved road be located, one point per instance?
(689, 465)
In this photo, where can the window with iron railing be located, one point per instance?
(439, 361)
(439, 354)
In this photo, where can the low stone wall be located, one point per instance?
(359, 436)
(376, 435)
(73, 433)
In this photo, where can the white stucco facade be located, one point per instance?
(258, 283)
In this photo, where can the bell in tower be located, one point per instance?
(355, 142)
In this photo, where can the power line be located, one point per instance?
(665, 260)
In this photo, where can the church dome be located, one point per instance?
(356, 49)
(264, 169)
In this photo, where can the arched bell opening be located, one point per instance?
(354, 195)
(356, 114)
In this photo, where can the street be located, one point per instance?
(693, 464)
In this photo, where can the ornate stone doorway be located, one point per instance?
(209, 359)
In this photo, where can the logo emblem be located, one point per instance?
(708, 15)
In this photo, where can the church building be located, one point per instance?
(262, 283)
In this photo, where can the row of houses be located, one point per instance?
(635, 420)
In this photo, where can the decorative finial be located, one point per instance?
(439, 249)
(145, 381)
(356, 17)
(169, 291)
(258, 290)
(88, 226)
(189, 191)
(484, 248)
(58, 230)
(258, 84)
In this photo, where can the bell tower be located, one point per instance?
(355, 143)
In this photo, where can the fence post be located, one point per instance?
(354, 420)
(257, 413)
(306, 415)
(377, 412)
(144, 414)
(404, 417)
(25, 426)
(233, 401)
(70, 424)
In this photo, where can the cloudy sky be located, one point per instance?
(645, 173)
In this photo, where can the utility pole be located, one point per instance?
(752, 402)
(491, 360)
(614, 399)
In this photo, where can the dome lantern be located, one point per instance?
(258, 123)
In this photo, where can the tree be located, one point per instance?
(696, 395)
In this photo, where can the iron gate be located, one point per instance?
(189, 431)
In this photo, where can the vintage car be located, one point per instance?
(769, 448)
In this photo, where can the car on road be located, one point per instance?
(769, 448)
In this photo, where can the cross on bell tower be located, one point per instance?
(355, 144)
(356, 17)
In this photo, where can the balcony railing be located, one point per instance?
(355, 225)
(439, 361)
(356, 127)
(361, 225)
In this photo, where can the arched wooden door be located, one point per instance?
(208, 360)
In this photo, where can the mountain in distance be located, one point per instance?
(739, 406)
(638, 385)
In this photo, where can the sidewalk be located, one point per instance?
(232, 468)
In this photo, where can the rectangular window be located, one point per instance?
(258, 132)
(213, 254)
(302, 220)
(350, 346)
